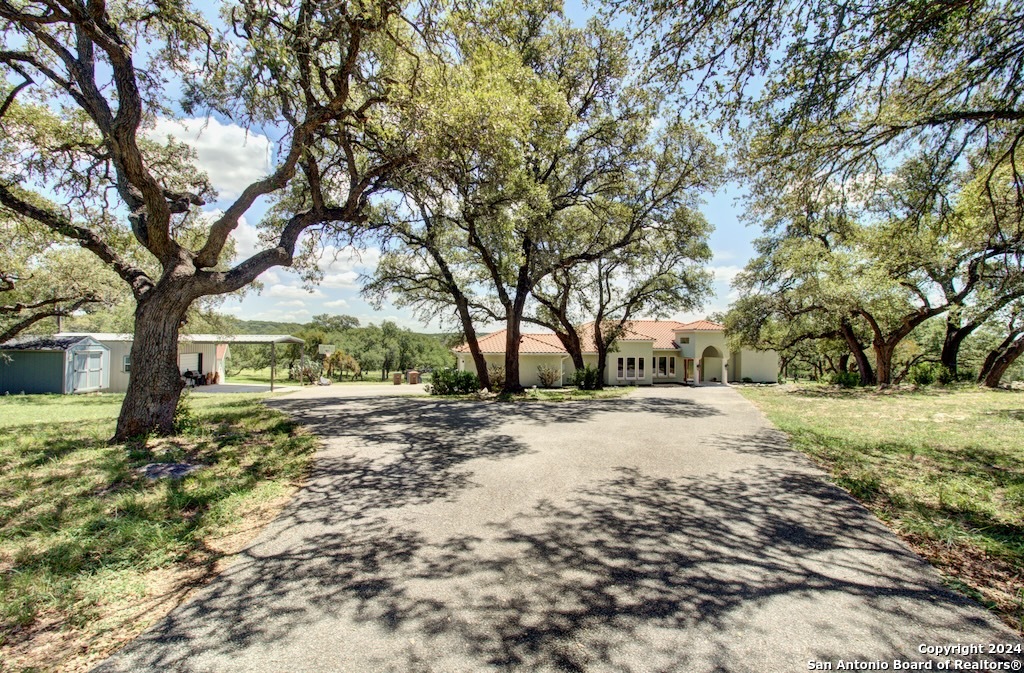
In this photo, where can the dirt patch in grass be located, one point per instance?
(92, 552)
(941, 466)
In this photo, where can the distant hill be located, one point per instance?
(264, 326)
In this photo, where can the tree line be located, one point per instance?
(383, 348)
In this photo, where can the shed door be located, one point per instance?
(188, 362)
(88, 371)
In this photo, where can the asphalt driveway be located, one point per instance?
(672, 530)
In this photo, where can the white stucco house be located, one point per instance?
(650, 352)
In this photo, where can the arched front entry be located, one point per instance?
(711, 369)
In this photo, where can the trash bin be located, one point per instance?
(414, 377)
(397, 378)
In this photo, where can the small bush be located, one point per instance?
(185, 419)
(496, 374)
(587, 378)
(944, 376)
(845, 379)
(306, 373)
(453, 382)
(549, 376)
(922, 374)
(747, 379)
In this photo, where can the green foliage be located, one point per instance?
(587, 378)
(185, 419)
(522, 130)
(496, 375)
(247, 356)
(453, 382)
(845, 379)
(306, 373)
(549, 376)
(943, 376)
(922, 374)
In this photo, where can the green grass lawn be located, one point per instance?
(944, 467)
(91, 551)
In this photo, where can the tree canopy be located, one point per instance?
(334, 81)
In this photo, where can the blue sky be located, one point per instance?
(233, 158)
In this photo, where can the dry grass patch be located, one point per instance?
(943, 467)
(91, 551)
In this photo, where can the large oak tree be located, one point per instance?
(85, 79)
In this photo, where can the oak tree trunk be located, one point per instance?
(571, 341)
(883, 363)
(471, 340)
(999, 360)
(867, 375)
(155, 384)
(513, 334)
(955, 335)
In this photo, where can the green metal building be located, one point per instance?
(47, 364)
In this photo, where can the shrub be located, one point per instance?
(922, 374)
(747, 379)
(549, 376)
(307, 373)
(185, 419)
(845, 379)
(944, 376)
(496, 373)
(453, 382)
(586, 378)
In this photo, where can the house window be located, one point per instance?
(127, 364)
(684, 340)
(671, 366)
(630, 369)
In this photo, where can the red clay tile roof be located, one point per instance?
(528, 343)
(701, 326)
(660, 332)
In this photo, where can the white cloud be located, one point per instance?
(726, 273)
(247, 240)
(343, 266)
(292, 292)
(245, 235)
(337, 303)
(270, 277)
(300, 315)
(294, 303)
(232, 157)
(345, 279)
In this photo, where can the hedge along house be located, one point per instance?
(649, 352)
(197, 353)
(57, 364)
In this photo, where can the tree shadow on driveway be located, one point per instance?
(760, 568)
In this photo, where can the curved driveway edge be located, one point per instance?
(672, 530)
